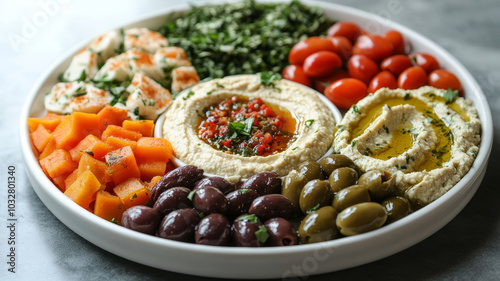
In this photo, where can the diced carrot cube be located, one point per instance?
(144, 127)
(90, 145)
(109, 207)
(122, 165)
(111, 115)
(49, 148)
(98, 168)
(58, 163)
(83, 190)
(132, 193)
(74, 128)
(41, 137)
(70, 179)
(156, 149)
(119, 132)
(49, 121)
(149, 169)
(114, 143)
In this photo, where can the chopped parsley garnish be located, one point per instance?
(295, 148)
(79, 94)
(188, 95)
(202, 215)
(309, 122)
(313, 209)
(191, 194)
(89, 152)
(262, 234)
(219, 85)
(83, 76)
(61, 78)
(244, 191)
(353, 143)
(355, 109)
(385, 128)
(134, 196)
(250, 218)
(244, 37)
(450, 95)
(407, 96)
(113, 220)
(267, 78)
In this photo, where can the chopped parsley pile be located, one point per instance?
(244, 37)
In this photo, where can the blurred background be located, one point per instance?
(34, 34)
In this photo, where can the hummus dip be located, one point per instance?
(313, 134)
(428, 138)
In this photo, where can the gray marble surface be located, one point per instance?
(468, 248)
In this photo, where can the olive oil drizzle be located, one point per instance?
(404, 136)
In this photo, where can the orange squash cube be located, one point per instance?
(109, 207)
(149, 169)
(111, 115)
(74, 128)
(144, 127)
(49, 121)
(90, 145)
(132, 193)
(153, 149)
(41, 137)
(49, 148)
(83, 190)
(98, 168)
(58, 163)
(114, 143)
(122, 165)
(119, 132)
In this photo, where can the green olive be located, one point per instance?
(293, 183)
(335, 161)
(380, 184)
(311, 170)
(342, 177)
(315, 194)
(397, 207)
(361, 218)
(318, 226)
(350, 196)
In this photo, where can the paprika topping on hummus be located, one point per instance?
(237, 126)
(428, 138)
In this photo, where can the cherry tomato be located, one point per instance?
(347, 29)
(372, 46)
(362, 68)
(307, 47)
(321, 83)
(396, 40)
(426, 61)
(396, 64)
(342, 45)
(296, 73)
(384, 79)
(412, 78)
(443, 79)
(346, 92)
(321, 63)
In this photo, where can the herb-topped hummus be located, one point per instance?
(238, 126)
(428, 138)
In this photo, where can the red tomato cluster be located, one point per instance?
(349, 63)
